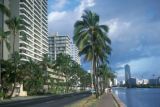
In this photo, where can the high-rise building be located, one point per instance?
(127, 74)
(62, 44)
(59, 44)
(115, 82)
(75, 53)
(33, 12)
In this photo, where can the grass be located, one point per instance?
(90, 101)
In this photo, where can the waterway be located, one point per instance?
(139, 97)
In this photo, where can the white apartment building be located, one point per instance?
(33, 12)
(59, 44)
(74, 53)
(62, 44)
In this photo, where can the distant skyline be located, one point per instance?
(134, 30)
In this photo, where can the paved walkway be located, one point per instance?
(106, 101)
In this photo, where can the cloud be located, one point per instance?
(63, 21)
(55, 16)
(58, 4)
(117, 27)
(134, 29)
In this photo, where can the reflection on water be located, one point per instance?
(139, 97)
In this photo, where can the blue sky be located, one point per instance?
(134, 30)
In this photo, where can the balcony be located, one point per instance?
(25, 16)
(37, 18)
(26, 7)
(25, 11)
(38, 33)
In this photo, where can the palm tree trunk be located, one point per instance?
(14, 85)
(101, 85)
(95, 79)
(97, 89)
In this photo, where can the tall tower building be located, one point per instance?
(33, 12)
(59, 44)
(127, 74)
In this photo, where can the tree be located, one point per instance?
(15, 25)
(16, 62)
(7, 76)
(92, 41)
(63, 63)
(45, 64)
(34, 77)
(105, 73)
(5, 10)
(4, 39)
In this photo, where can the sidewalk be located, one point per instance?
(106, 101)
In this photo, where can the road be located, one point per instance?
(60, 102)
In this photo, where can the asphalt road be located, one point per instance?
(59, 102)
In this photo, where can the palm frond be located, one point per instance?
(5, 10)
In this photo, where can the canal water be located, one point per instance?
(139, 97)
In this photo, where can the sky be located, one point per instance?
(134, 30)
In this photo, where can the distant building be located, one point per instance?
(59, 44)
(122, 82)
(158, 80)
(110, 83)
(75, 53)
(133, 81)
(139, 82)
(115, 82)
(153, 81)
(62, 44)
(127, 74)
(145, 81)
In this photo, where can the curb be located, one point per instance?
(118, 101)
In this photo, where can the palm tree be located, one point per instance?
(4, 35)
(92, 41)
(16, 63)
(5, 10)
(4, 39)
(15, 25)
(103, 74)
(7, 76)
